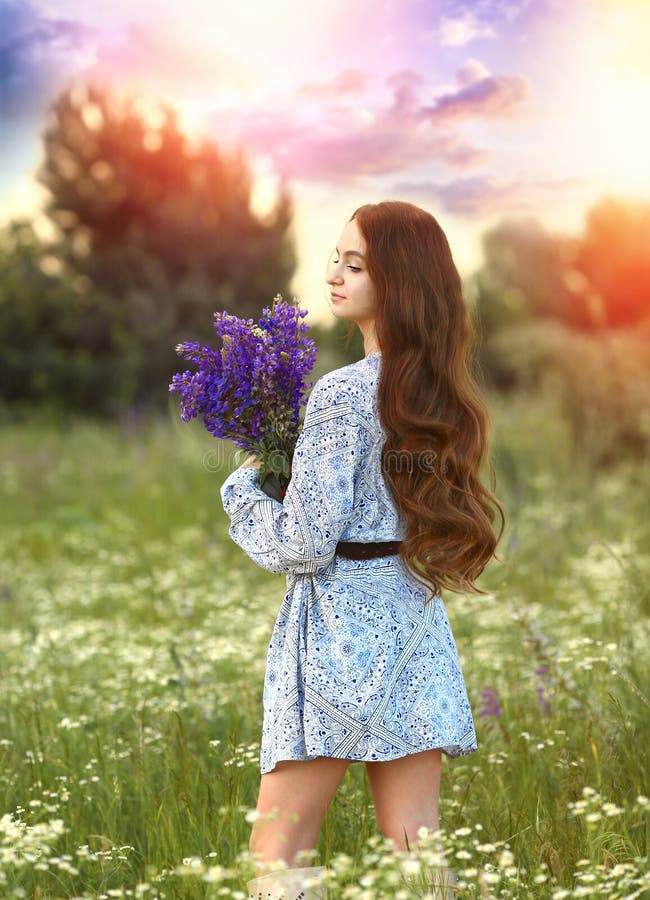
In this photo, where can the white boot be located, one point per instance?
(287, 885)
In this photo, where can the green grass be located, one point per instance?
(133, 640)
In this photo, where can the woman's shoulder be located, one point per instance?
(346, 395)
(353, 382)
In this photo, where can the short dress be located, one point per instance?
(358, 666)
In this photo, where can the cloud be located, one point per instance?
(369, 146)
(480, 196)
(41, 55)
(350, 81)
(35, 53)
(456, 31)
(471, 72)
(466, 156)
(374, 130)
(489, 96)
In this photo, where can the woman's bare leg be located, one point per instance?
(405, 793)
(300, 791)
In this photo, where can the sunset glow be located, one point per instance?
(474, 110)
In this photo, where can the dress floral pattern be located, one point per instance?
(358, 666)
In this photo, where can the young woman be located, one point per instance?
(385, 508)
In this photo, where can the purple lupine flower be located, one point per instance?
(544, 690)
(251, 390)
(491, 707)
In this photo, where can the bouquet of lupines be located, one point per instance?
(251, 390)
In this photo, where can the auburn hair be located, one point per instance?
(429, 404)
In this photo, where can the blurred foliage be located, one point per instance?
(61, 338)
(614, 257)
(153, 235)
(572, 314)
(597, 281)
(601, 383)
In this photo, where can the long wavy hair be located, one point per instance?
(429, 404)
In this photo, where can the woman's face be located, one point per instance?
(352, 292)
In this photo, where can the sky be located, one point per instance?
(476, 110)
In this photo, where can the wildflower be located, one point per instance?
(611, 809)
(491, 705)
(192, 865)
(410, 866)
(486, 848)
(545, 693)
(214, 874)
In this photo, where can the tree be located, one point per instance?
(572, 315)
(614, 256)
(590, 283)
(57, 333)
(160, 234)
(137, 197)
(527, 275)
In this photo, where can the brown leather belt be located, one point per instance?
(367, 550)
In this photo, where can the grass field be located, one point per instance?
(133, 640)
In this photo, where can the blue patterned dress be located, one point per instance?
(358, 666)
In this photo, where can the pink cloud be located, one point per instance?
(380, 150)
(380, 146)
(470, 72)
(488, 97)
(350, 81)
(405, 86)
(465, 156)
(349, 136)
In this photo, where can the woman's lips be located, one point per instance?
(338, 297)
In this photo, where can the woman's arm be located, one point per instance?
(300, 534)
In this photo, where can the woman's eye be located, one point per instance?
(335, 262)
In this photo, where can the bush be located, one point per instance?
(601, 381)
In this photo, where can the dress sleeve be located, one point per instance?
(300, 535)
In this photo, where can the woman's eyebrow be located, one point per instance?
(351, 253)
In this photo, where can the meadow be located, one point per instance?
(133, 639)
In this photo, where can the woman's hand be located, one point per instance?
(252, 460)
